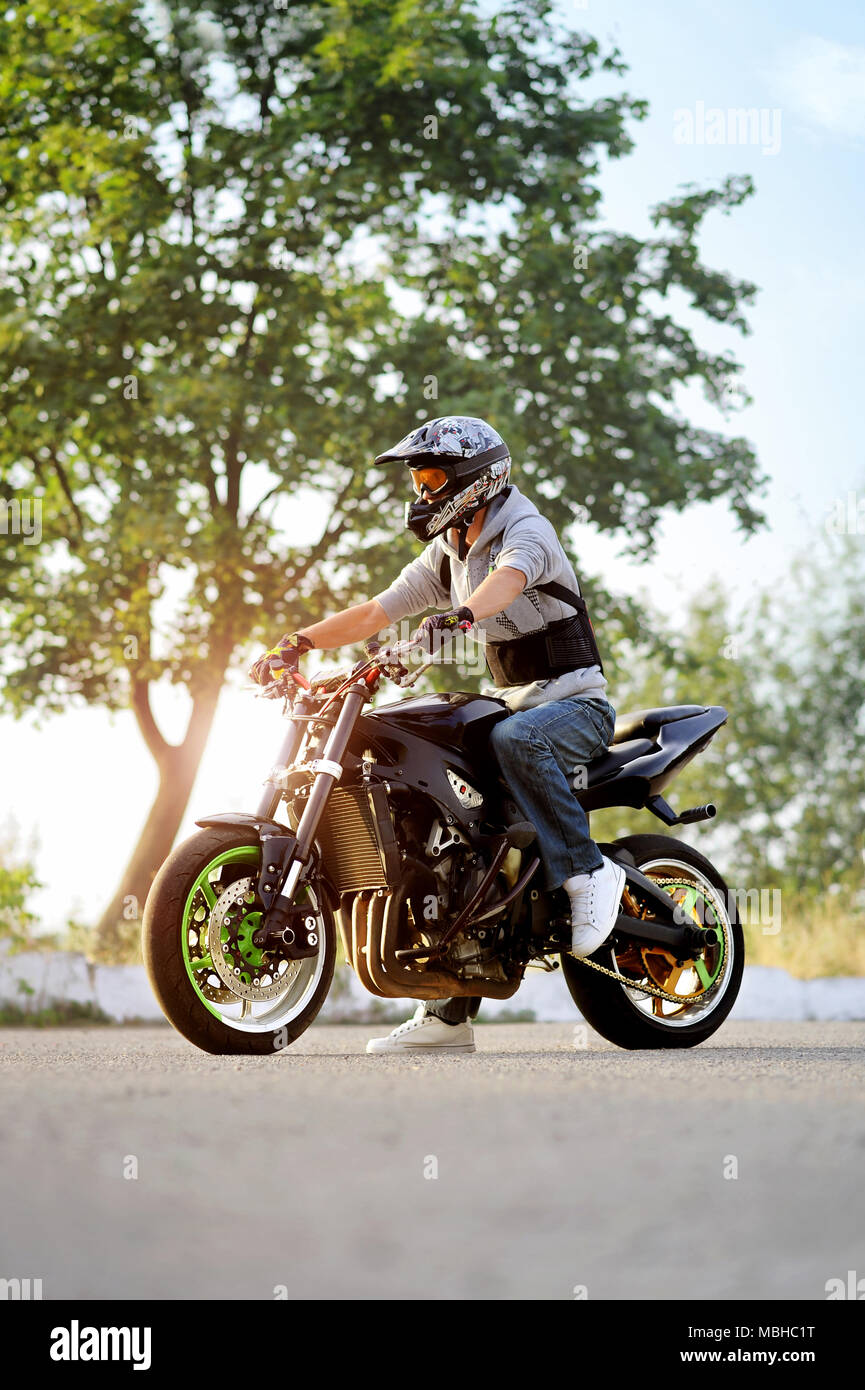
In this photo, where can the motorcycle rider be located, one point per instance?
(493, 561)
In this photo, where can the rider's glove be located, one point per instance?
(281, 660)
(458, 619)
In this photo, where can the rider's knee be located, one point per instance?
(500, 738)
(509, 739)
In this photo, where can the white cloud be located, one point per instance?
(824, 81)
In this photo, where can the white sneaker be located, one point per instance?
(594, 906)
(424, 1032)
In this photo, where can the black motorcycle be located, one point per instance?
(399, 833)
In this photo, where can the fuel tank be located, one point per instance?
(459, 721)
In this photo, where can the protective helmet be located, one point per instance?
(458, 463)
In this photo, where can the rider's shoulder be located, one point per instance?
(519, 514)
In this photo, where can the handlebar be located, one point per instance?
(389, 661)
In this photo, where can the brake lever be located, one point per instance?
(281, 689)
(406, 685)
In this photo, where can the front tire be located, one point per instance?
(189, 990)
(633, 1020)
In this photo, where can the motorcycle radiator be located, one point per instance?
(357, 840)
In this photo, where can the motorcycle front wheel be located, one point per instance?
(704, 990)
(257, 1004)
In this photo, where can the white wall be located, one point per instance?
(123, 992)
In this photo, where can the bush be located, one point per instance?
(17, 882)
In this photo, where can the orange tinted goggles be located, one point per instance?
(427, 478)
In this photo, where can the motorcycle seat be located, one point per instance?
(647, 723)
(607, 764)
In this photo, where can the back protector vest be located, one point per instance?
(554, 650)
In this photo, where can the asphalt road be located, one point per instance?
(527, 1170)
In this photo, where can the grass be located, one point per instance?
(61, 1014)
(815, 939)
(509, 1016)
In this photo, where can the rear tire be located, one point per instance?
(620, 1015)
(168, 923)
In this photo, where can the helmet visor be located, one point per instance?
(428, 479)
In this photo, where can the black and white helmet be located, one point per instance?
(458, 463)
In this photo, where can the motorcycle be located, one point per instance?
(399, 834)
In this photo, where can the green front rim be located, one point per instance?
(299, 981)
(196, 918)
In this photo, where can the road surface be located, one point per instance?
(134, 1166)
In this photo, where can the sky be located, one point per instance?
(79, 787)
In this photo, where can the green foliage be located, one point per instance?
(123, 947)
(18, 882)
(787, 772)
(237, 242)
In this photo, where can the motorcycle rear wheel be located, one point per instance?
(190, 991)
(708, 990)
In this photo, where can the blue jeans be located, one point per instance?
(540, 752)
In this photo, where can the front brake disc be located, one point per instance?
(247, 971)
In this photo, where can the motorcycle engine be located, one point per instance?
(459, 870)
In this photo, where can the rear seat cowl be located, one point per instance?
(646, 723)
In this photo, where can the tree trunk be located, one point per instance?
(118, 928)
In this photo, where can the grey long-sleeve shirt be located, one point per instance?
(513, 534)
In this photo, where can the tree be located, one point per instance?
(786, 772)
(241, 245)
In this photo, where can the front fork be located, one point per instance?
(284, 856)
(286, 853)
